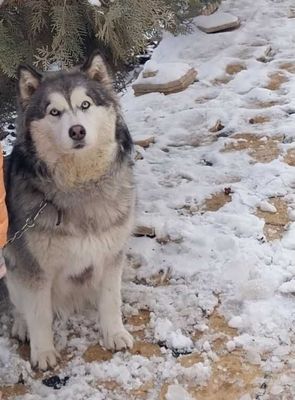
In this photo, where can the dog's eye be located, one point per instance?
(54, 112)
(85, 105)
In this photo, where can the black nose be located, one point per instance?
(77, 132)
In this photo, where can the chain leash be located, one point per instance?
(30, 223)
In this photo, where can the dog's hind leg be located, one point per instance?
(115, 336)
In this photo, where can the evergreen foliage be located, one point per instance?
(60, 31)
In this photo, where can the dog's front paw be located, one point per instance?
(44, 359)
(118, 340)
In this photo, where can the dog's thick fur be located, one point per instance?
(75, 252)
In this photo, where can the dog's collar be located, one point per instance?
(58, 210)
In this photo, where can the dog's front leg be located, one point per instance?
(37, 310)
(115, 336)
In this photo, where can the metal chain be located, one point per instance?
(30, 223)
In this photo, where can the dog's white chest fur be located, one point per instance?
(76, 266)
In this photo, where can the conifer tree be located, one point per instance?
(60, 33)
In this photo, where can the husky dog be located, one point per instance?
(72, 157)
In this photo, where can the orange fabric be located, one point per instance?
(3, 209)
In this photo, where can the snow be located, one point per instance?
(167, 72)
(216, 261)
(288, 287)
(150, 66)
(177, 392)
(246, 397)
(96, 3)
(266, 206)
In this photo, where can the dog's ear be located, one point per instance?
(96, 68)
(28, 81)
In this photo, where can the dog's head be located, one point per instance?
(71, 112)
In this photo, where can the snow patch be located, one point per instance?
(177, 392)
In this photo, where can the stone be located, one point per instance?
(169, 78)
(145, 231)
(218, 126)
(217, 22)
(145, 143)
(264, 54)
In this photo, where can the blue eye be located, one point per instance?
(85, 105)
(55, 112)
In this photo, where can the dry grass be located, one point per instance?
(275, 223)
(290, 157)
(146, 349)
(276, 80)
(222, 80)
(288, 66)
(10, 392)
(97, 353)
(260, 149)
(162, 278)
(235, 68)
(232, 376)
(138, 323)
(263, 104)
(259, 119)
(216, 201)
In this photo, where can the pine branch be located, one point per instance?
(12, 52)
(38, 11)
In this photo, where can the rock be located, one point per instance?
(169, 78)
(138, 156)
(150, 69)
(291, 13)
(145, 142)
(55, 382)
(145, 231)
(216, 127)
(217, 22)
(264, 54)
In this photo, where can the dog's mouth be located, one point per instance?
(79, 145)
